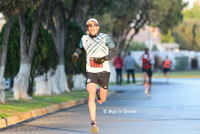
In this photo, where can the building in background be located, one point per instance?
(168, 47)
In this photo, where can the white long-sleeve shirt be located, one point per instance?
(152, 61)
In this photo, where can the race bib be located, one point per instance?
(94, 64)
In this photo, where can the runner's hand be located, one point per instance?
(74, 57)
(101, 60)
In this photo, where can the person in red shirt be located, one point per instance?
(147, 69)
(166, 67)
(118, 63)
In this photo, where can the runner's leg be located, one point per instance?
(145, 82)
(167, 76)
(164, 72)
(128, 75)
(103, 95)
(103, 84)
(91, 88)
(150, 84)
(149, 91)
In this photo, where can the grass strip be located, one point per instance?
(16, 107)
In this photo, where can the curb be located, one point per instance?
(6, 122)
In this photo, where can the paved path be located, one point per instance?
(174, 108)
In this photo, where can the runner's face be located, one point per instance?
(93, 29)
(146, 51)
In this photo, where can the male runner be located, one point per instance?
(147, 66)
(166, 67)
(97, 47)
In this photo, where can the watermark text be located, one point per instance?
(119, 111)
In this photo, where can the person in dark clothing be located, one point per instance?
(118, 63)
(129, 63)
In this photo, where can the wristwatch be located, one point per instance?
(106, 57)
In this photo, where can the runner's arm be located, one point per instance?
(112, 54)
(110, 44)
(107, 57)
(152, 59)
(79, 49)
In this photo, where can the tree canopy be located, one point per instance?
(173, 16)
(12, 7)
(193, 13)
(187, 33)
(167, 37)
(126, 15)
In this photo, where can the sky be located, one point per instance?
(1, 18)
(190, 5)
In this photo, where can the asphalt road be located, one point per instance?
(173, 108)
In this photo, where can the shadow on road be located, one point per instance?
(60, 129)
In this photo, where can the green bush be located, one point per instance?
(182, 63)
(136, 46)
(154, 48)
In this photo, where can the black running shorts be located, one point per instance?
(148, 71)
(165, 70)
(101, 78)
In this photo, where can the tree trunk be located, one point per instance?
(42, 86)
(58, 82)
(119, 38)
(21, 82)
(2, 85)
(3, 55)
(53, 82)
(78, 81)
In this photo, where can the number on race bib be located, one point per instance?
(94, 64)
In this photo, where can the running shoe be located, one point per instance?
(149, 94)
(146, 91)
(94, 127)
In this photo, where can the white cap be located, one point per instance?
(92, 19)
